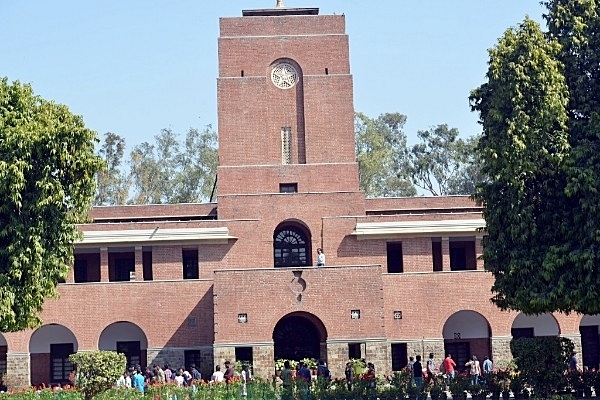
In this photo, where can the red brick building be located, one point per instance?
(235, 279)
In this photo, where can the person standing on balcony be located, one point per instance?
(320, 257)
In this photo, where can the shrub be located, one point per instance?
(97, 371)
(541, 362)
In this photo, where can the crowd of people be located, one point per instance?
(447, 369)
(139, 378)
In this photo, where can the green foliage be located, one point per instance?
(382, 155)
(459, 385)
(113, 183)
(442, 163)
(97, 371)
(164, 173)
(575, 24)
(542, 361)
(523, 152)
(121, 394)
(47, 183)
(46, 394)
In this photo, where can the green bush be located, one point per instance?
(542, 361)
(97, 371)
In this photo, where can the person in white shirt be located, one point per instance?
(124, 381)
(217, 376)
(246, 376)
(179, 378)
(320, 257)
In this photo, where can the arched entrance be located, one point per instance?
(299, 335)
(126, 338)
(529, 326)
(49, 349)
(466, 333)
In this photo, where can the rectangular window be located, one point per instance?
(86, 267)
(190, 264)
(399, 356)
(518, 333)
(286, 145)
(123, 269)
(121, 263)
(462, 254)
(147, 264)
(80, 270)
(354, 352)
(436, 252)
(395, 263)
(288, 188)
(132, 351)
(244, 354)
(60, 366)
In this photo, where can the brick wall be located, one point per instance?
(268, 295)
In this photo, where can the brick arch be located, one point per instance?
(125, 337)
(299, 335)
(292, 244)
(472, 325)
(541, 325)
(467, 333)
(49, 348)
(48, 334)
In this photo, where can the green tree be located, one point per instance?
(382, 155)
(469, 174)
(163, 173)
(145, 175)
(97, 371)
(575, 24)
(523, 150)
(113, 185)
(443, 163)
(198, 166)
(47, 184)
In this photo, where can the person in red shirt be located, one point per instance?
(449, 366)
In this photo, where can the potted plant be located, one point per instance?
(311, 364)
(437, 389)
(478, 392)
(575, 382)
(517, 387)
(589, 379)
(459, 385)
(494, 382)
(416, 393)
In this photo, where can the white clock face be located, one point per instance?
(284, 76)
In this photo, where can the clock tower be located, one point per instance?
(285, 106)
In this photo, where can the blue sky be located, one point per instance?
(134, 67)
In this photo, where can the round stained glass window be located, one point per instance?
(284, 76)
